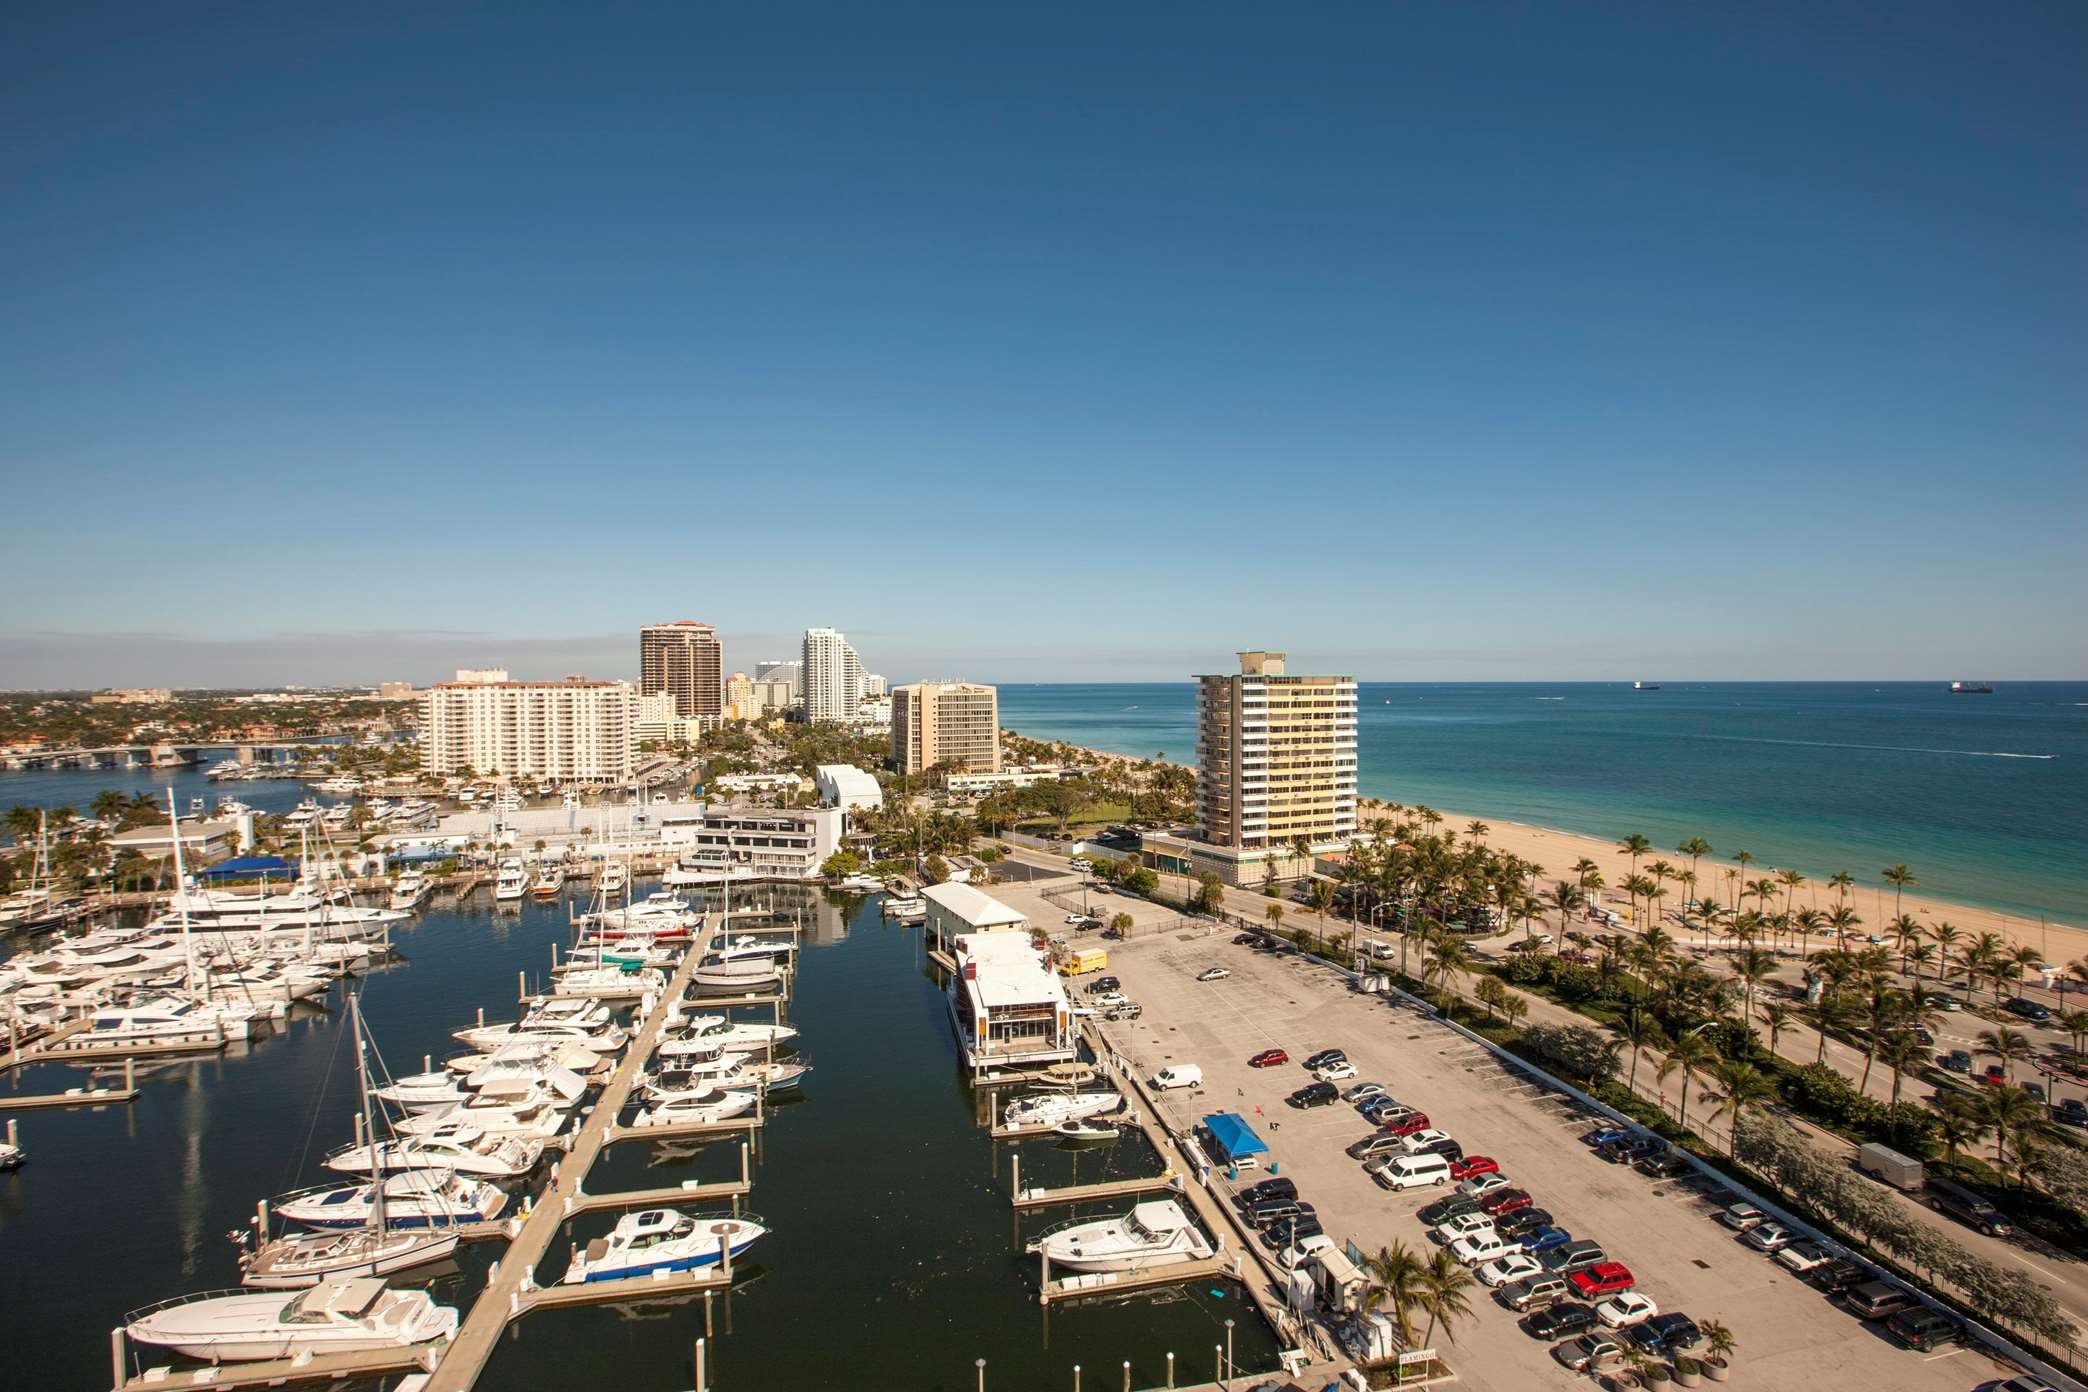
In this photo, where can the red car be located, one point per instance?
(1472, 1166)
(1408, 1124)
(1502, 1202)
(1268, 1058)
(1604, 1278)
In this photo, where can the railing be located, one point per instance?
(174, 1302)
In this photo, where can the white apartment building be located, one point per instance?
(571, 731)
(770, 843)
(653, 718)
(833, 676)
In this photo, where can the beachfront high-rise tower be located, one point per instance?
(946, 723)
(1275, 768)
(833, 676)
(685, 660)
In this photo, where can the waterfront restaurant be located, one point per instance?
(1006, 1003)
(958, 908)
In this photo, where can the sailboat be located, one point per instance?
(377, 1249)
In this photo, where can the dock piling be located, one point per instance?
(130, 1075)
(700, 1386)
(1015, 1172)
(1170, 1367)
(14, 1133)
(117, 1356)
(725, 1232)
(1127, 1375)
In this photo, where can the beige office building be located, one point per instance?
(957, 722)
(686, 659)
(573, 731)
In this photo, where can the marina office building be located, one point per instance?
(683, 659)
(768, 843)
(1007, 1006)
(1275, 767)
(572, 731)
(946, 722)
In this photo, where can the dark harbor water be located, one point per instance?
(894, 1258)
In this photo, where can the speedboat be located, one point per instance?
(339, 1316)
(1156, 1233)
(512, 882)
(600, 1039)
(306, 1259)
(746, 977)
(1052, 1108)
(663, 1239)
(698, 1104)
(550, 879)
(414, 1199)
(774, 1077)
(411, 891)
(1088, 1130)
(609, 983)
(457, 1145)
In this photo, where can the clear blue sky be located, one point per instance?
(1453, 341)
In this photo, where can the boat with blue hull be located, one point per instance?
(663, 1239)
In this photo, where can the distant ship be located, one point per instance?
(1972, 688)
(1645, 686)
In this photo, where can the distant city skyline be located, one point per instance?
(1474, 342)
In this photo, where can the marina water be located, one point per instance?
(1986, 797)
(894, 1259)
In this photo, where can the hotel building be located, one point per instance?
(685, 659)
(572, 731)
(954, 722)
(833, 676)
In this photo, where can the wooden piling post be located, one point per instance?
(117, 1359)
(130, 1074)
(1127, 1375)
(1170, 1367)
(700, 1385)
(1015, 1172)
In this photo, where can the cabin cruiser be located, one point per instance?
(458, 1145)
(336, 1316)
(908, 910)
(412, 1199)
(749, 976)
(631, 951)
(161, 1022)
(411, 891)
(614, 879)
(306, 1259)
(609, 983)
(781, 1076)
(304, 814)
(512, 882)
(217, 910)
(663, 1239)
(658, 915)
(1051, 1108)
(531, 1114)
(550, 879)
(1156, 1233)
(698, 1104)
(726, 1034)
(601, 1039)
(525, 1062)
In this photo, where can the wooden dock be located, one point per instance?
(37, 1050)
(666, 1197)
(275, 1372)
(76, 1097)
(739, 1125)
(1112, 1282)
(1097, 1193)
(664, 1285)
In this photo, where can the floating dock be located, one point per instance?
(1097, 1193)
(1112, 1282)
(75, 1097)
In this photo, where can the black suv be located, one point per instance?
(2029, 1009)
(1566, 1317)
(1315, 1095)
(1840, 1274)
(1325, 1057)
(1107, 983)
(1282, 1187)
(1277, 1210)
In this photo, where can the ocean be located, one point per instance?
(1984, 797)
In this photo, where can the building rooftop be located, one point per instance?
(1006, 970)
(850, 781)
(976, 908)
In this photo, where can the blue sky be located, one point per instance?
(1078, 342)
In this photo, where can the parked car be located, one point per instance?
(1603, 1278)
(1421, 1141)
(1668, 1165)
(1524, 1223)
(1589, 1350)
(1479, 1186)
(2028, 1009)
(1102, 984)
(1534, 1292)
(1246, 939)
(1464, 1225)
(1441, 1145)
(1574, 1257)
(1840, 1274)
(1617, 1152)
(1516, 1266)
(1802, 1257)
(1603, 1135)
(1922, 1329)
(1769, 1237)
(1541, 1240)
(1362, 1090)
(1375, 1144)
(1123, 1010)
(2071, 1111)
(1281, 1187)
(1502, 1202)
(1473, 1166)
(1742, 1216)
(1626, 1307)
(1877, 1299)
(1378, 1106)
(1269, 1211)
(2025, 1383)
(1669, 1333)
(1325, 1057)
(1480, 1248)
(1289, 1232)
(1268, 1058)
(1957, 1060)
(1341, 1070)
(1443, 1210)
(1213, 974)
(1304, 1251)
(1406, 1125)
(1560, 1318)
(1315, 1095)
(1647, 1149)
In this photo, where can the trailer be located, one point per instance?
(1883, 1163)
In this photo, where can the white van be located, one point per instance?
(1412, 1171)
(1178, 1075)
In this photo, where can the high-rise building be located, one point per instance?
(686, 659)
(573, 731)
(873, 686)
(790, 674)
(946, 722)
(833, 676)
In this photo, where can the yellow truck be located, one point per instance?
(1087, 959)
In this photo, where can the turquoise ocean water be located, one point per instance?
(1985, 797)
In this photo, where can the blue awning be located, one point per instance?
(248, 868)
(1233, 1136)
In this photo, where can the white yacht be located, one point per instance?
(609, 983)
(782, 1076)
(526, 1062)
(411, 891)
(512, 882)
(1157, 1233)
(663, 1239)
(661, 914)
(165, 1022)
(337, 1316)
(748, 976)
(698, 1104)
(460, 1146)
(412, 1199)
(537, 1114)
(550, 879)
(907, 910)
(600, 1039)
(1051, 1108)
(727, 1035)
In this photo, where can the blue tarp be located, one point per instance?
(1233, 1136)
(249, 868)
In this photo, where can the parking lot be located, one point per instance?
(1789, 1334)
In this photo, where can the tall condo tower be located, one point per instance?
(1276, 758)
(833, 676)
(685, 660)
(939, 722)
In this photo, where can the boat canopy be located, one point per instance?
(1234, 1137)
(248, 868)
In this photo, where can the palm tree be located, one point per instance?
(1696, 848)
(1446, 959)
(1641, 1031)
(1777, 1016)
(2009, 1046)
(1634, 846)
(1477, 830)
(1751, 967)
(1947, 936)
(1396, 1278)
(1444, 1294)
(1568, 900)
(1692, 1054)
(2014, 1115)
(1900, 1051)
(2075, 1023)
(1274, 913)
(1582, 870)
(1743, 1085)
(1636, 886)
(1901, 879)
(1959, 1122)
(1743, 859)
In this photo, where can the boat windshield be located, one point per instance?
(1138, 1229)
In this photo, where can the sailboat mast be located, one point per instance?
(188, 946)
(362, 1081)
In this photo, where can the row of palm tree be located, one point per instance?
(1406, 1283)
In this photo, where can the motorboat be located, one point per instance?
(600, 1039)
(336, 1316)
(526, 1062)
(610, 983)
(536, 1115)
(1088, 1129)
(161, 1024)
(1155, 1233)
(663, 1239)
(661, 914)
(734, 1034)
(412, 1199)
(911, 909)
(689, 1072)
(749, 976)
(1052, 1108)
(12, 1156)
(411, 891)
(420, 1093)
(631, 952)
(614, 879)
(698, 1104)
(550, 879)
(458, 1145)
(782, 1076)
(511, 882)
